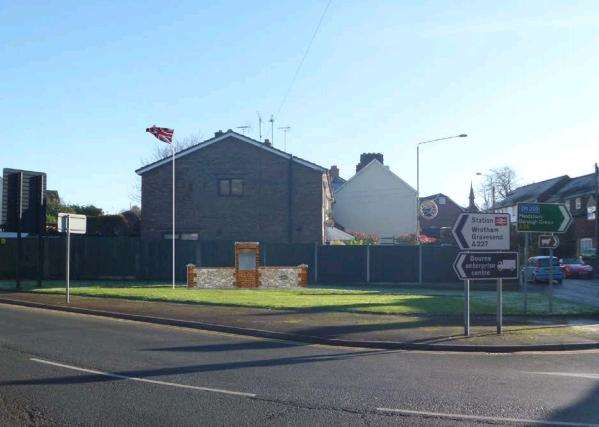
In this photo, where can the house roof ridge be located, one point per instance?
(369, 164)
(224, 135)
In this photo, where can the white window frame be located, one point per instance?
(585, 245)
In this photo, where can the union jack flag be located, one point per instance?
(500, 221)
(163, 134)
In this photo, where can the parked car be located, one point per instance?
(537, 269)
(575, 267)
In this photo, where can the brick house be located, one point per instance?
(232, 187)
(440, 226)
(536, 192)
(578, 194)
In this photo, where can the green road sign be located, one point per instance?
(543, 217)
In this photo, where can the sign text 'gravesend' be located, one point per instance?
(484, 228)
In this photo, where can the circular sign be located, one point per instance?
(429, 209)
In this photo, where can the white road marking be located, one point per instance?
(144, 380)
(483, 418)
(568, 374)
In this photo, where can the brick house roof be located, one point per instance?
(221, 136)
(437, 195)
(536, 192)
(579, 186)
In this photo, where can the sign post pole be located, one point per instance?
(499, 305)
(525, 278)
(551, 280)
(467, 307)
(70, 223)
(485, 238)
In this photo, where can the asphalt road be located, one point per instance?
(67, 369)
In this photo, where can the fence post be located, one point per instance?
(315, 262)
(368, 263)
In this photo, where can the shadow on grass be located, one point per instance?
(413, 306)
(421, 305)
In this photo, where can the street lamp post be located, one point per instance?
(463, 135)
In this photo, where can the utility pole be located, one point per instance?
(285, 129)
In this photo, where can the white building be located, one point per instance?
(376, 201)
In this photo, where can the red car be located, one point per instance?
(575, 268)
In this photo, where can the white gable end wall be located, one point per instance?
(375, 200)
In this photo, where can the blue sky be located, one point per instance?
(80, 82)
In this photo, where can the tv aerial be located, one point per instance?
(244, 128)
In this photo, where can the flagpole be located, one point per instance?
(173, 236)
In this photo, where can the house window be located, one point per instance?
(224, 187)
(586, 246)
(568, 205)
(230, 187)
(442, 200)
(237, 187)
(578, 203)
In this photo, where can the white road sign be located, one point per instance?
(73, 223)
(482, 231)
(486, 265)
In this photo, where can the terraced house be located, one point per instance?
(579, 196)
(231, 187)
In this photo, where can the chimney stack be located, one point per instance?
(267, 142)
(218, 133)
(366, 158)
(334, 172)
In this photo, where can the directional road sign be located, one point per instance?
(486, 265)
(543, 217)
(548, 241)
(483, 231)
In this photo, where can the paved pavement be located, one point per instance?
(68, 369)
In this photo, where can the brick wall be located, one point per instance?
(269, 277)
(261, 214)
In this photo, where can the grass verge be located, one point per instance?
(371, 299)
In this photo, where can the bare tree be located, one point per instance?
(163, 151)
(497, 184)
(135, 194)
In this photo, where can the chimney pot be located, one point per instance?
(267, 142)
(218, 133)
(366, 158)
(334, 172)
